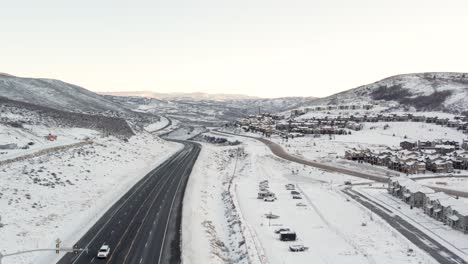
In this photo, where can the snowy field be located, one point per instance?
(373, 135)
(460, 184)
(158, 125)
(60, 195)
(329, 224)
(183, 133)
(37, 135)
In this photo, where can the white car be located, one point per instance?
(298, 248)
(269, 199)
(104, 251)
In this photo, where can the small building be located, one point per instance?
(408, 145)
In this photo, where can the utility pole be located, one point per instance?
(57, 250)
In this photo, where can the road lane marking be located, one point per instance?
(182, 159)
(141, 185)
(172, 205)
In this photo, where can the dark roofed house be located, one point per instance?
(408, 145)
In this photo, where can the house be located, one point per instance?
(434, 204)
(456, 215)
(413, 193)
(441, 166)
(51, 137)
(418, 118)
(354, 155)
(444, 149)
(465, 144)
(408, 145)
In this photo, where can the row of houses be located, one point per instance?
(440, 146)
(438, 205)
(411, 162)
(320, 108)
(458, 122)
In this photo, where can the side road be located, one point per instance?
(417, 237)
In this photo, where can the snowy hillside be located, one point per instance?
(55, 94)
(422, 91)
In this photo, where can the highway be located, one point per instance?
(143, 226)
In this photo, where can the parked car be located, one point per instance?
(104, 251)
(297, 197)
(301, 204)
(347, 182)
(282, 229)
(288, 236)
(298, 248)
(269, 199)
(295, 192)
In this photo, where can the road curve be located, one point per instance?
(280, 152)
(143, 226)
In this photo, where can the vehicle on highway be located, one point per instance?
(104, 251)
(298, 248)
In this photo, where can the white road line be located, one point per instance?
(167, 162)
(170, 211)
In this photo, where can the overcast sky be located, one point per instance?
(268, 48)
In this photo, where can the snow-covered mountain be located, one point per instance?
(183, 96)
(55, 94)
(422, 91)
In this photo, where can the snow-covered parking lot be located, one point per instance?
(335, 229)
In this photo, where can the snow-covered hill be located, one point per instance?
(55, 94)
(422, 91)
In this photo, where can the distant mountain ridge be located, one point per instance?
(197, 96)
(431, 91)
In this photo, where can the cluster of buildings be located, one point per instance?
(321, 108)
(458, 122)
(447, 209)
(340, 124)
(263, 123)
(414, 161)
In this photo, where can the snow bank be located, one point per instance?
(61, 195)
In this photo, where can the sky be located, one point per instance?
(266, 48)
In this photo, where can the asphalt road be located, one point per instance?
(280, 152)
(417, 237)
(143, 226)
